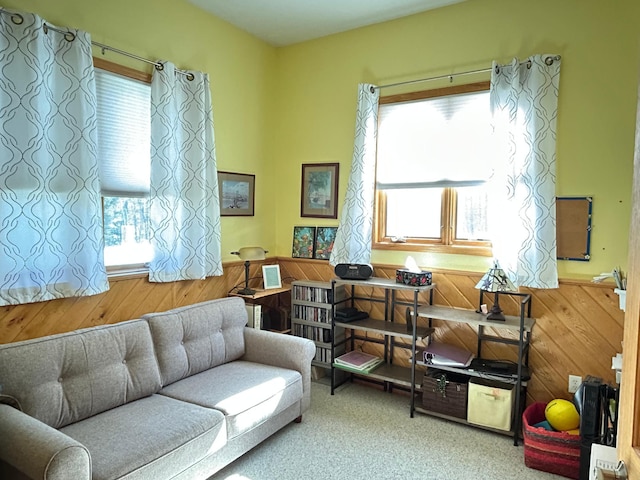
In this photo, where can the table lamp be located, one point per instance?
(247, 254)
(495, 280)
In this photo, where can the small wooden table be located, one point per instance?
(268, 297)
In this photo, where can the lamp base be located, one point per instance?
(496, 314)
(246, 291)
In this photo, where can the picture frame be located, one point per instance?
(303, 242)
(236, 193)
(319, 192)
(271, 276)
(323, 244)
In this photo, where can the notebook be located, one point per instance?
(447, 355)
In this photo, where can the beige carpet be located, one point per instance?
(364, 433)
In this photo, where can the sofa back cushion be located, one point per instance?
(64, 378)
(191, 339)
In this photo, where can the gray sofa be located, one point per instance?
(174, 395)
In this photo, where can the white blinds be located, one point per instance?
(441, 142)
(124, 138)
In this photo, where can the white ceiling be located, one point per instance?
(284, 22)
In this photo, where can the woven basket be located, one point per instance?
(445, 393)
(549, 451)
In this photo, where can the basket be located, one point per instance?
(549, 451)
(445, 393)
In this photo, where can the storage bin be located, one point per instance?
(445, 393)
(549, 451)
(490, 403)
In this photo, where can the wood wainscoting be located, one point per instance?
(579, 325)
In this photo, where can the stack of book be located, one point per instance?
(358, 362)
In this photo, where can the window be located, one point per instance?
(432, 164)
(124, 105)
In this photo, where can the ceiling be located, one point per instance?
(285, 22)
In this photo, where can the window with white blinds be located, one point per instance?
(434, 142)
(124, 138)
(124, 155)
(433, 160)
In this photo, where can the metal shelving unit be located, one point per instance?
(388, 373)
(521, 324)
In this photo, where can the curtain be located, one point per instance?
(524, 107)
(51, 240)
(184, 206)
(353, 239)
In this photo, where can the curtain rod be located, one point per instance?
(548, 60)
(70, 37)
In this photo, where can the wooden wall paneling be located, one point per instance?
(579, 325)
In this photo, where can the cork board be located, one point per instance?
(573, 227)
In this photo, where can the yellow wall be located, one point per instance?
(275, 109)
(317, 83)
(241, 72)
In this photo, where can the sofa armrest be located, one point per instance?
(284, 351)
(37, 450)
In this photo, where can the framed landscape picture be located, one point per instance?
(325, 236)
(303, 238)
(237, 194)
(319, 190)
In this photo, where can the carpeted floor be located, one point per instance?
(364, 433)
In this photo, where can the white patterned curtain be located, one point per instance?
(353, 239)
(524, 106)
(51, 240)
(184, 204)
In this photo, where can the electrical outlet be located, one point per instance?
(574, 383)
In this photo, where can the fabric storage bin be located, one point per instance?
(445, 393)
(549, 451)
(490, 404)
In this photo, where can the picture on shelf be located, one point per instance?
(303, 241)
(325, 236)
(271, 276)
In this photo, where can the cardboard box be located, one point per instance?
(490, 404)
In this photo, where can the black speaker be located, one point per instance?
(354, 271)
(590, 421)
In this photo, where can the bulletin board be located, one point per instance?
(573, 228)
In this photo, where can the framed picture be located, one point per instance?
(303, 238)
(319, 190)
(271, 276)
(325, 236)
(237, 194)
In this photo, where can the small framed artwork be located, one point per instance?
(325, 236)
(271, 276)
(319, 190)
(237, 194)
(303, 241)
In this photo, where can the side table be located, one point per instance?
(275, 306)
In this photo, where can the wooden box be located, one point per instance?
(445, 393)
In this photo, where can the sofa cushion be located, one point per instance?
(247, 393)
(154, 437)
(191, 339)
(64, 378)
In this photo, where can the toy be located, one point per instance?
(562, 415)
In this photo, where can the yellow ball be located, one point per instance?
(562, 415)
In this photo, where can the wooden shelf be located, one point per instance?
(471, 317)
(473, 373)
(385, 328)
(386, 373)
(386, 283)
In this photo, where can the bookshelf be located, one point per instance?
(311, 310)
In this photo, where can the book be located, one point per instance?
(254, 315)
(358, 360)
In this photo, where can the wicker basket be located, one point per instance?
(445, 393)
(553, 452)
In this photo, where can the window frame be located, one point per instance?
(136, 269)
(447, 243)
